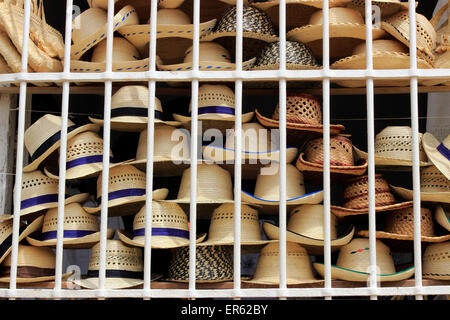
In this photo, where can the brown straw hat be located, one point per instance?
(43, 137)
(356, 197)
(347, 29)
(169, 151)
(81, 229)
(387, 7)
(442, 215)
(305, 226)
(124, 267)
(34, 264)
(344, 161)
(438, 152)
(298, 265)
(212, 264)
(353, 263)
(170, 227)
(126, 191)
(129, 110)
(436, 261)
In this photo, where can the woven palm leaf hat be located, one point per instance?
(436, 261)
(124, 267)
(81, 229)
(387, 7)
(438, 152)
(170, 227)
(306, 227)
(129, 110)
(171, 151)
(356, 197)
(442, 215)
(267, 195)
(43, 138)
(34, 264)
(126, 191)
(347, 29)
(353, 263)
(298, 265)
(257, 31)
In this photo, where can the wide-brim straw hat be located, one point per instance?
(442, 216)
(43, 137)
(387, 7)
(438, 152)
(435, 264)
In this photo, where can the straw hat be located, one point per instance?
(6, 234)
(212, 264)
(398, 27)
(347, 28)
(126, 191)
(438, 152)
(125, 57)
(344, 161)
(387, 54)
(34, 264)
(170, 146)
(267, 192)
(387, 7)
(442, 216)
(81, 229)
(124, 267)
(399, 225)
(436, 261)
(298, 265)
(93, 25)
(129, 110)
(212, 56)
(442, 43)
(356, 197)
(434, 187)
(305, 226)
(40, 192)
(298, 57)
(353, 263)
(161, 3)
(43, 137)
(170, 227)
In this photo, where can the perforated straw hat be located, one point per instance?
(353, 263)
(81, 229)
(436, 261)
(212, 264)
(34, 264)
(43, 137)
(347, 29)
(124, 267)
(298, 265)
(171, 151)
(387, 7)
(442, 215)
(126, 191)
(306, 227)
(434, 187)
(438, 152)
(170, 227)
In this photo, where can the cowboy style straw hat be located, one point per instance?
(298, 265)
(266, 193)
(347, 29)
(124, 267)
(170, 146)
(399, 225)
(212, 264)
(344, 161)
(170, 227)
(436, 262)
(34, 264)
(434, 187)
(43, 137)
(129, 110)
(81, 229)
(438, 152)
(356, 197)
(305, 226)
(353, 263)
(126, 191)
(387, 7)
(442, 216)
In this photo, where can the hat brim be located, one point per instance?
(396, 236)
(64, 276)
(132, 124)
(113, 283)
(424, 196)
(276, 281)
(164, 166)
(220, 155)
(245, 34)
(358, 276)
(341, 212)
(430, 145)
(158, 242)
(117, 66)
(442, 217)
(289, 66)
(213, 122)
(85, 242)
(206, 66)
(312, 3)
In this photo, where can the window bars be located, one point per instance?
(239, 76)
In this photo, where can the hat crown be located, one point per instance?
(356, 192)
(170, 4)
(123, 177)
(432, 180)
(118, 257)
(209, 51)
(90, 20)
(35, 183)
(301, 108)
(210, 95)
(30, 256)
(402, 222)
(384, 45)
(254, 137)
(341, 151)
(6, 228)
(164, 215)
(296, 53)
(253, 20)
(133, 96)
(436, 259)
(308, 220)
(337, 15)
(172, 17)
(75, 218)
(123, 50)
(84, 144)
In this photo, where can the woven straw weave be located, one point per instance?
(301, 108)
(402, 222)
(432, 180)
(356, 193)
(436, 261)
(341, 152)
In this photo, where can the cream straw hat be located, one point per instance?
(438, 152)
(442, 215)
(353, 263)
(436, 261)
(387, 7)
